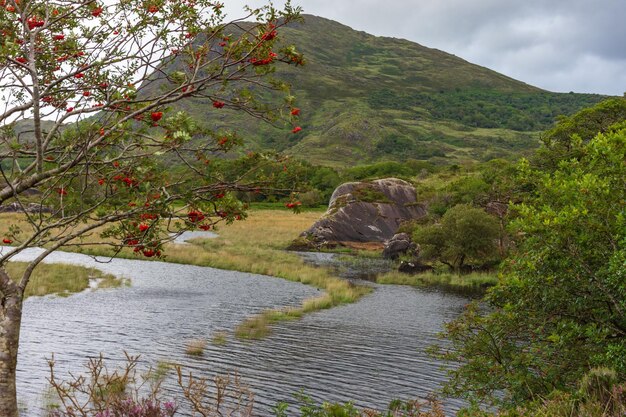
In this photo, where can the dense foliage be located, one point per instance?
(465, 238)
(560, 308)
(563, 141)
(485, 108)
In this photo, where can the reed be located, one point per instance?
(219, 338)
(255, 327)
(195, 347)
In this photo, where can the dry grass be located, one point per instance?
(259, 326)
(110, 281)
(219, 338)
(195, 347)
(255, 327)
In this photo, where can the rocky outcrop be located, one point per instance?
(366, 212)
(400, 244)
(28, 208)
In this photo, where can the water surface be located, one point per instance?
(368, 352)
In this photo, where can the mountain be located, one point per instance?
(367, 99)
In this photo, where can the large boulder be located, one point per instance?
(366, 212)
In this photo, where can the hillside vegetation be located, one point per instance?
(366, 99)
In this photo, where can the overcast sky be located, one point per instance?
(558, 45)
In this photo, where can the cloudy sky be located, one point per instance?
(558, 45)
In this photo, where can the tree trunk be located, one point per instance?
(501, 238)
(10, 320)
(459, 264)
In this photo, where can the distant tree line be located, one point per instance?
(488, 108)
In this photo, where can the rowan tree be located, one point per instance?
(88, 133)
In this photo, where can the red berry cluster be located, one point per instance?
(270, 33)
(195, 216)
(34, 22)
(263, 61)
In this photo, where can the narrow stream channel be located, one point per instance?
(369, 352)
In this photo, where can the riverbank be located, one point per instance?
(369, 265)
(61, 279)
(474, 282)
(257, 245)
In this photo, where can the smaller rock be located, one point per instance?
(304, 244)
(413, 267)
(10, 208)
(399, 244)
(37, 208)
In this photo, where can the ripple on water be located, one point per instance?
(369, 352)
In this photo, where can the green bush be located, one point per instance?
(466, 236)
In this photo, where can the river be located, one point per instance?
(368, 352)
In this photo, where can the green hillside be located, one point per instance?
(366, 99)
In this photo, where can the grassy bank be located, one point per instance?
(476, 281)
(61, 279)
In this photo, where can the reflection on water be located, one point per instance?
(369, 352)
(349, 266)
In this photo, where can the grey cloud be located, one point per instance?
(558, 45)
